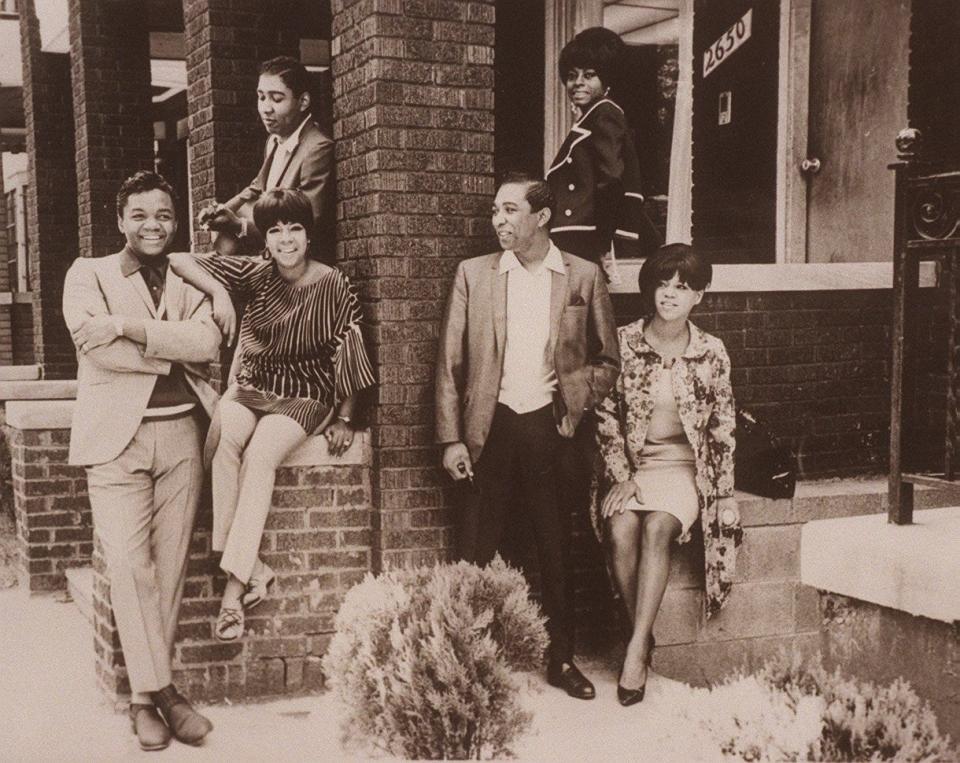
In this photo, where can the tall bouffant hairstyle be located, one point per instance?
(283, 205)
(293, 74)
(141, 182)
(538, 193)
(682, 260)
(595, 48)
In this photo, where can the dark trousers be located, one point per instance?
(519, 470)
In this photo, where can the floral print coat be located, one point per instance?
(701, 385)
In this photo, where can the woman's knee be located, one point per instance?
(622, 531)
(659, 529)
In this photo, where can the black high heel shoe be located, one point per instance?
(627, 697)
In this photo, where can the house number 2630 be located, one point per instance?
(727, 43)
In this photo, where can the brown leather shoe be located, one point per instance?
(186, 723)
(151, 731)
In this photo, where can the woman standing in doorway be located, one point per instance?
(595, 176)
(666, 434)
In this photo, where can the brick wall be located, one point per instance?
(317, 539)
(23, 341)
(413, 121)
(51, 195)
(6, 323)
(110, 57)
(54, 526)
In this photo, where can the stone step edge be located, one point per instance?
(38, 389)
(80, 588)
(19, 373)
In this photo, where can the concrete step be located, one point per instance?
(53, 389)
(19, 373)
(80, 588)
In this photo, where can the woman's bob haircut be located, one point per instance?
(282, 205)
(681, 260)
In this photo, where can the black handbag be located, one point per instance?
(762, 466)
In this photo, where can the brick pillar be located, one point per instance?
(413, 120)
(51, 192)
(110, 57)
(225, 42)
(6, 311)
(54, 526)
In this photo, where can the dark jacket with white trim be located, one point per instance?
(595, 179)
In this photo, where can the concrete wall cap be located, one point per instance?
(52, 389)
(19, 373)
(39, 414)
(912, 568)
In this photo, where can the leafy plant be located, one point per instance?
(792, 710)
(425, 659)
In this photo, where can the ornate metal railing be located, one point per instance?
(927, 227)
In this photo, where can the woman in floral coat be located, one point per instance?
(666, 438)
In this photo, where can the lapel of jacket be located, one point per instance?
(268, 151)
(498, 298)
(135, 282)
(559, 288)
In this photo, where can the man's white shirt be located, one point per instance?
(529, 379)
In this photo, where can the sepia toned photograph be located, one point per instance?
(538, 380)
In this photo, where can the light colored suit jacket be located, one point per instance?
(310, 169)
(583, 344)
(114, 381)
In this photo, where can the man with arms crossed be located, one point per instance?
(144, 338)
(528, 345)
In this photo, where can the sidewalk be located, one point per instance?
(52, 710)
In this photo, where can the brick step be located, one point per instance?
(51, 389)
(80, 588)
(19, 373)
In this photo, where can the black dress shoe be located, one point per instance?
(186, 723)
(627, 697)
(152, 733)
(567, 676)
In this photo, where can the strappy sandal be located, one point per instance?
(230, 624)
(257, 587)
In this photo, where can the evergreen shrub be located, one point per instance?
(425, 660)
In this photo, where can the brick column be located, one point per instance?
(6, 311)
(51, 192)
(54, 526)
(225, 42)
(413, 120)
(110, 70)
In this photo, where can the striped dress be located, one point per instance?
(301, 351)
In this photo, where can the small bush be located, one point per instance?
(425, 658)
(795, 711)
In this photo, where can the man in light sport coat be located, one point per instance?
(528, 345)
(144, 338)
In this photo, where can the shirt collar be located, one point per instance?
(130, 263)
(290, 142)
(553, 260)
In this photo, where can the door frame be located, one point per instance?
(793, 105)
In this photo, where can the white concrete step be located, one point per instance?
(52, 389)
(80, 588)
(19, 373)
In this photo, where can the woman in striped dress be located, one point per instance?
(301, 364)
